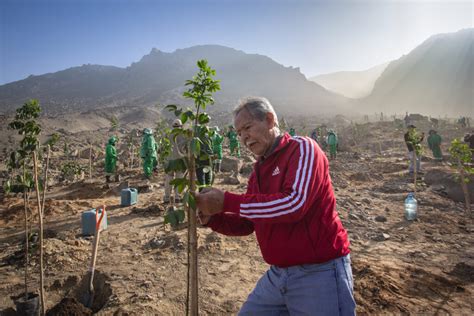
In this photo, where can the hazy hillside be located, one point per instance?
(160, 77)
(351, 84)
(435, 78)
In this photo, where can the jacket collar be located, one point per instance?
(280, 142)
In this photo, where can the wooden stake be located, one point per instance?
(467, 198)
(415, 169)
(40, 219)
(45, 181)
(192, 243)
(26, 242)
(131, 156)
(90, 162)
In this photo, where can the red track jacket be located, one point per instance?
(290, 205)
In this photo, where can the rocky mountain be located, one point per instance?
(351, 84)
(436, 78)
(159, 77)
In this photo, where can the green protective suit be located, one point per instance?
(110, 156)
(148, 153)
(332, 142)
(434, 142)
(234, 143)
(292, 132)
(217, 141)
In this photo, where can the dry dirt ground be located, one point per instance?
(400, 267)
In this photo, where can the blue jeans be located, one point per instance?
(309, 289)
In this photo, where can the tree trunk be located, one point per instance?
(192, 243)
(131, 157)
(90, 162)
(40, 220)
(467, 197)
(415, 170)
(25, 199)
(45, 179)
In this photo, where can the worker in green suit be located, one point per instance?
(204, 174)
(148, 152)
(292, 132)
(332, 142)
(217, 140)
(233, 142)
(111, 159)
(434, 142)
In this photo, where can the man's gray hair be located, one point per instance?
(258, 107)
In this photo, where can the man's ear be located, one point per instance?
(270, 118)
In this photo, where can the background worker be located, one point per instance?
(111, 159)
(148, 152)
(233, 142)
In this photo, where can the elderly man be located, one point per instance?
(290, 204)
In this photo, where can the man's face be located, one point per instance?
(257, 136)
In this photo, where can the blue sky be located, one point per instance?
(41, 36)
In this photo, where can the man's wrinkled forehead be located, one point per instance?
(242, 118)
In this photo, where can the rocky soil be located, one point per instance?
(421, 267)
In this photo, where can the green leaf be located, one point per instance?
(171, 107)
(178, 112)
(204, 118)
(196, 146)
(183, 117)
(171, 218)
(180, 214)
(7, 187)
(174, 216)
(192, 201)
(176, 165)
(180, 184)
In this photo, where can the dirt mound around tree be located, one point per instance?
(69, 307)
(449, 184)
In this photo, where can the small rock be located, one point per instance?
(157, 243)
(387, 209)
(355, 237)
(381, 237)
(246, 170)
(353, 217)
(381, 219)
(231, 180)
(366, 201)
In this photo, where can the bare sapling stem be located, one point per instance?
(40, 220)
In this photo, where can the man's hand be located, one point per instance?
(204, 219)
(210, 201)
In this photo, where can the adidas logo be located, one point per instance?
(276, 171)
